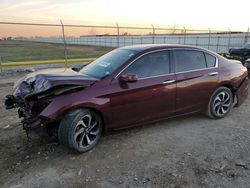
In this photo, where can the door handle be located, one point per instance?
(168, 82)
(212, 73)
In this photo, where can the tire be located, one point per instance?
(220, 103)
(80, 130)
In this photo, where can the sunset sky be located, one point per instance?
(216, 14)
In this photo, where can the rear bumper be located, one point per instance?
(242, 92)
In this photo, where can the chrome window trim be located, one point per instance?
(169, 49)
(156, 76)
(195, 70)
(176, 73)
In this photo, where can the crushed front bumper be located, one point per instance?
(242, 92)
(33, 124)
(10, 102)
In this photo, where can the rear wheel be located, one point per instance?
(220, 103)
(80, 130)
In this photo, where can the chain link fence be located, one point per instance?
(215, 41)
(68, 36)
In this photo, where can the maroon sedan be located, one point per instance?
(127, 87)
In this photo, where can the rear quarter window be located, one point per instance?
(211, 60)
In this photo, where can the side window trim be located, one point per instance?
(170, 68)
(207, 68)
(204, 55)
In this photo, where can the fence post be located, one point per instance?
(65, 46)
(209, 37)
(118, 34)
(184, 35)
(153, 38)
(246, 36)
(197, 39)
(218, 41)
(1, 68)
(229, 40)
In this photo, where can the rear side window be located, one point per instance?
(187, 60)
(153, 64)
(211, 60)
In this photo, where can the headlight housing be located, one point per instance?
(30, 85)
(17, 83)
(41, 85)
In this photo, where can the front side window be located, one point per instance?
(188, 60)
(108, 63)
(153, 64)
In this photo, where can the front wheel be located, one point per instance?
(80, 130)
(220, 103)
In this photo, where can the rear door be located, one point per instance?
(196, 77)
(151, 97)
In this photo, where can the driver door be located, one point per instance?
(151, 97)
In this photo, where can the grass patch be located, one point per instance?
(15, 51)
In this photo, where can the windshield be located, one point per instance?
(108, 63)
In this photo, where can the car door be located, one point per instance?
(152, 96)
(196, 77)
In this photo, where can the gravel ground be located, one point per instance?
(192, 151)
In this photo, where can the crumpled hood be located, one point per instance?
(43, 80)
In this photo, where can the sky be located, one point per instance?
(215, 14)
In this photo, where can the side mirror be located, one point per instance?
(128, 78)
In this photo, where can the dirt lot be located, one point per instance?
(184, 152)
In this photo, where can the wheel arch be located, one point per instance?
(232, 89)
(94, 109)
(100, 113)
(210, 112)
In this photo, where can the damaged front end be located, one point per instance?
(35, 92)
(29, 111)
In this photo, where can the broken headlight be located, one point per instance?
(41, 85)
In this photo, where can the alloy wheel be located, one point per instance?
(86, 131)
(222, 103)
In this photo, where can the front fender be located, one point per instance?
(62, 104)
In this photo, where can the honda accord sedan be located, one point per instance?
(126, 87)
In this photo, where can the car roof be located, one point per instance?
(142, 47)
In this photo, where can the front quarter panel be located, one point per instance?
(62, 104)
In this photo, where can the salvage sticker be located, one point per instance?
(104, 64)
